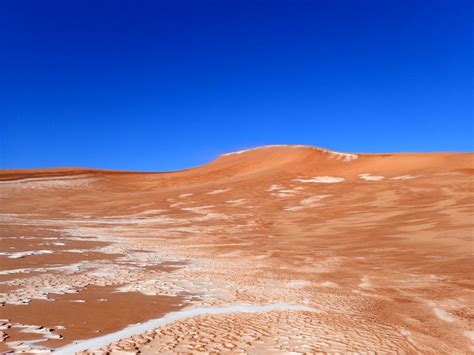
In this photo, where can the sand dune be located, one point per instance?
(381, 245)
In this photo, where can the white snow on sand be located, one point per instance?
(21, 271)
(52, 243)
(442, 314)
(237, 202)
(274, 187)
(50, 182)
(403, 177)
(469, 334)
(364, 282)
(23, 254)
(307, 203)
(342, 156)
(215, 192)
(323, 179)
(185, 195)
(369, 177)
(37, 329)
(288, 191)
(266, 147)
(310, 201)
(407, 334)
(347, 157)
(101, 341)
(284, 193)
(68, 269)
(294, 208)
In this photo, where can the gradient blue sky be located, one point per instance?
(166, 85)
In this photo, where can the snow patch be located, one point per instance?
(369, 177)
(307, 203)
(342, 156)
(407, 334)
(294, 208)
(65, 269)
(185, 195)
(289, 191)
(442, 314)
(323, 179)
(52, 243)
(68, 269)
(364, 282)
(20, 271)
(469, 334)
(266, 147)
(237, 202)
(274, 187)
(346, 157)
(39, 183)
(23, 254)
(215, 192)
(37, 329)
(403, 177)
(310, 201)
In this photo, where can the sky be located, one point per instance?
(167, 85)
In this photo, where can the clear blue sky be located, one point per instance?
(165, 85)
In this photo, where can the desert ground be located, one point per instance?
(278, 249)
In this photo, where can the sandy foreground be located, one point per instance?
(280, 249)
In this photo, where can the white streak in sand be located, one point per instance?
(403, 177)
(369, 177)
(23, 254)
(132, 330)
(185, 195)
(443, 315)
(307, 203)
(323, 179)
(215, 192)
(275, 187)
(347, 157)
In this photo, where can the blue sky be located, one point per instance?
(167, 85)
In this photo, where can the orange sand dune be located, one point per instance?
(376, 250)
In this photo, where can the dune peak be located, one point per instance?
(333, 154)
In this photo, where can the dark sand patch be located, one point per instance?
(16, 244)
(166, 266)
(104, 311)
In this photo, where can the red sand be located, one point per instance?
(388, 262)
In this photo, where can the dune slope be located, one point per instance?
(278, 248)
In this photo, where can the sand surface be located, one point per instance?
(320, 251)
